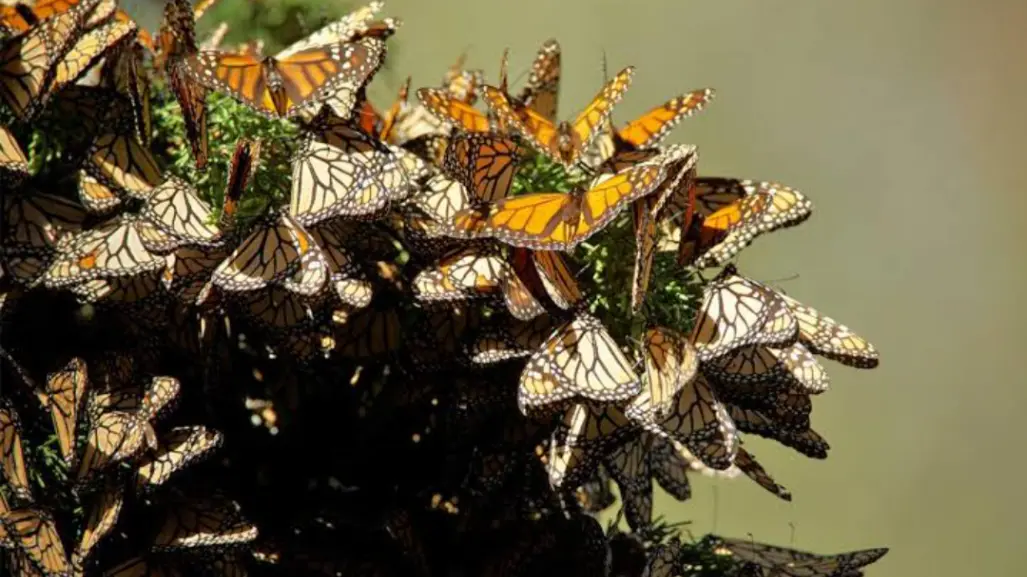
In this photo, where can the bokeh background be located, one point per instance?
(904, 121)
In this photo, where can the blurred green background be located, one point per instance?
(904, 122)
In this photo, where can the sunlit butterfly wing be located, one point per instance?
(650, 128)
(12, 457)
(698, 420)
(199, 522)
(102, 516)
(14, 167)
(120, 162)
(113, 249)
(66, 389)
(670, 363)
(792, 366)
(270, 254)
(179, 448)
(345, 29)
(558, 221)
(825, 336)
(175, 208)
(580, 359)
(279, 88)
(27, 60)
(541, 92)
(87, 51)
(733, 311)
(116, 436)
(453, 112)
(34, 532)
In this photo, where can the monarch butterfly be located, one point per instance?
(66, 389)
(33, 531)
(806, 441)
(827, 337)
(201, 522)
(670, 363)
(552, 272)
(95, 197)
(179, 448)
(14, 167)
(353, 26)
(174, 208)
(452, 112)
(116, 248)
(476, 272)
(117, 160)
(281, 87)
(280, 251)
(345, 276)
(779, 561)
(559, 221)
(38, 223)
(635, 463)
(120, 434)
(384, 126)
(787, 406)
(484, 163)
(679, 161)
(733, 312)
(12, 459)
(792, 366)
(87, 51)
(27, 60)
(646, 131)
(103, 516)
(137, 290)
(732, 213)
(697, 420)
(461, 83)
(123, 71)
(540, 93)
(579, 359)
(748, 464)
(340, 171)
(565, 143)
(585, 433)
(509, 339)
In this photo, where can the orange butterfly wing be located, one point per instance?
(586, 127)
(649, 128)
(451, 111)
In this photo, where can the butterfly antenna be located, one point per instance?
(791, 538)
(606, 72)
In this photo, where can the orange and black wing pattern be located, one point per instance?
(282, 88)
(565, 143)
(562, 221)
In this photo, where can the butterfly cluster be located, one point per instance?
(413, 366)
